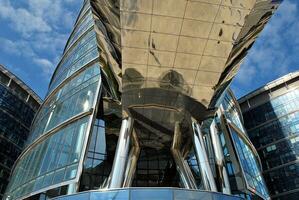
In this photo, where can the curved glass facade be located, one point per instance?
(272, 121)
(59, 134)
(244, 158)
(74, 98)
(17, 109)
(51, 161)
(127, 102)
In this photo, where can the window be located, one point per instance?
(271, 148)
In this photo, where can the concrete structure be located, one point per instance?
(18, 104)
(127, 101)
(272, 119)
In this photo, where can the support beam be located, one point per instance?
(220, 160)
(72, 188)
(132, 160)
(202, 159)
(183, 168)
(121, 154)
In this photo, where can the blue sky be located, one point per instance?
(32, 37)
(275, 53)
(33, 34)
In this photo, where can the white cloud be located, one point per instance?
(275, 52)
(22, 20)
(46, 66)
(246, 73)
(9, 46)
(54, 12)
(22, 48)
(17, 48)
(43, 27)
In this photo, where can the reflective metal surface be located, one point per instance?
(186, 176)
(132, 161)
(162, 64)
(202, 159)
(189, 47)
(178, 57)
(121, 154)
(220, 160)
(106, 14)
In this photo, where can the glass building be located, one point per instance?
(127, 102)
(238, 155)
(18, 104)
(272, 119)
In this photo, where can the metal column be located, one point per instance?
(220, 161)
(182, 167)
(121, 154)
(132, 161)
(202, 159)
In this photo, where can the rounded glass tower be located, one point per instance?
(127, 102)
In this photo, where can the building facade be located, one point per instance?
(233, 154)
(127, 101)
(272, 119)
(18, 104)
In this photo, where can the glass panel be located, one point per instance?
(182, 195)
(4, 79)
(232, 112)
(85, 23)
(273, 109)
(148, 194)
(16, 107)
(71, 172)
(77, 93)
(111, 195)
(59, 175)
(38, 183)
(48, 172)
(250, 165)
(84, 51)
(18, 90)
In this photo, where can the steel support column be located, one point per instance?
(183, 168)
(132, 160)
(220, 161)
(202, 158)
(121, 154)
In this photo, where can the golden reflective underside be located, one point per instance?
(187, 49)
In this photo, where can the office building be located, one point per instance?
(271, 115)
(127, 101)
(18, 104)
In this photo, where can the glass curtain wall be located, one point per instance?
(55, 151)
(241, 159)
(273, 127)
(17, 109)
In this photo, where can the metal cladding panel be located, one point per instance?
(192, 48)
(107, 28)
